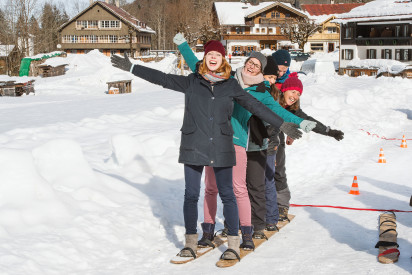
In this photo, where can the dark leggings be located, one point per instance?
(255, 180)
(193, 175)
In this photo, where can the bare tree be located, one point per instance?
(299, 30)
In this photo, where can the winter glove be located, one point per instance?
(307, 125)
(291, 129)
(121, 63)
(336, 134)
(179, 38)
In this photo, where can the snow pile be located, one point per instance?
(55, 61)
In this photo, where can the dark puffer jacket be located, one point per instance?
(207, 134)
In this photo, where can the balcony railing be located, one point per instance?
(275, 21)
(379, 41)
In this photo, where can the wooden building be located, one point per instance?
(326, 39)
(9, 59)
(368, 33)
(120, 86)
(13, 87)
(45, 70)
(105, 27)
(249, 27)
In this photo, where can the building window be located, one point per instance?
(263, 30)
(257, 30)
(113, 52)
(405, 30)
(403, 54)
(272, 14)
(397, 31)
(347, 54)
(332, 30)
(373, 73)
(103, 39)
(287, 14)
(386, 54)
(84, 24)
(113, 39)
(110, 24)
(316, 46)
(277, 15)
(371, 54)
(271, 30)
(263, 15)
(348, 33)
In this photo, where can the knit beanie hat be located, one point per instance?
(260, 57)
(292, 83)
(271, 67)
(282, 57)
(214, 45)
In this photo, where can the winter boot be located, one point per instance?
(259, 234)
(233, 251)
(271, 227)
(283, 214)
(207, 238)
(190, 248)
(247, 242)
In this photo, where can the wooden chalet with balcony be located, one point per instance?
(372, 33)
(105, 27)
(250, 27)
(326, 39)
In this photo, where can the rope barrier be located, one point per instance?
(348, 208)
(382, 137)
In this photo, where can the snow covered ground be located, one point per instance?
(90, 184)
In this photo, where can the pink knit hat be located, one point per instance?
(214, 45)
(292, 83)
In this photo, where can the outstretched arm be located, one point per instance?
(174, 82)
(257, 108)
(320, 127)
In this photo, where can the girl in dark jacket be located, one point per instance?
(207, 135)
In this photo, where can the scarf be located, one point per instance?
(213, 77)
(248, 80)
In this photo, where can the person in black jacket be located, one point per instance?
(289, 98)
(207, 134)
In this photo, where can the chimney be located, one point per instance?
(91, 2)
(107, 1)
(118, 3)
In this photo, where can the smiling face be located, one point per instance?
(271, 78)
(213, 60)
(282, 70)
(252, 67)
(291, 96)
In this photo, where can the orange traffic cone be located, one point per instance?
(381, 157)
(355, 188)
(403, 145)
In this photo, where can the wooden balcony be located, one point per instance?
(254, 37)
(276, 21)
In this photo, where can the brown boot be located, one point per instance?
(283, 214)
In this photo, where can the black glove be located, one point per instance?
(121, 63)
(291, 130)
(336, 134)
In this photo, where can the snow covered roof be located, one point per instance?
(234, 13)
(384, 65)
(329, 9)
(16, 79)
(378, 10)
(46, 55)
(55, 62)
(120, 13)
(5, 50)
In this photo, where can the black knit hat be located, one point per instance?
(271, 67)
(282, 57)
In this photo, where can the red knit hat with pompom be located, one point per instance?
(292, 83)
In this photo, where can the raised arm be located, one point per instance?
(170, 81)
(186, 51)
